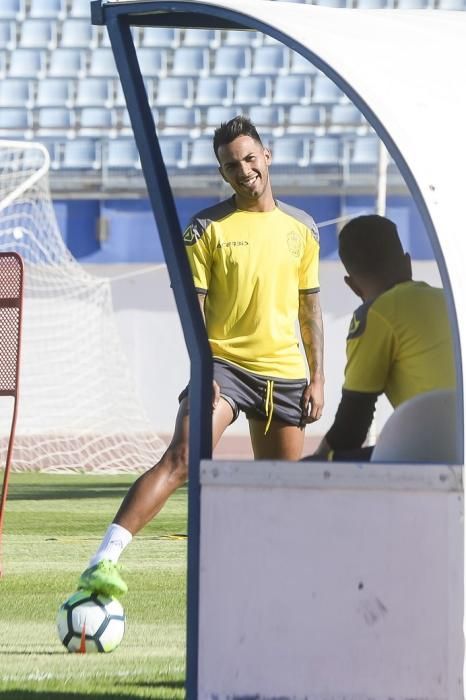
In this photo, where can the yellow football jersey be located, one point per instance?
(253, 266)
(400, 344)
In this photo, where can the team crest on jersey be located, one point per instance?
(193, 233)
(295, 244)
(358, 322)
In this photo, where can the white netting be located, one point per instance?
(78, 409)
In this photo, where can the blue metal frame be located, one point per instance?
(186, 13)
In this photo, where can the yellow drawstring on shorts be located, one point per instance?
(268, 404)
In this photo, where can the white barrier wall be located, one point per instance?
(331, 582)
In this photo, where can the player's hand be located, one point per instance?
(312, 401)
(215, 394)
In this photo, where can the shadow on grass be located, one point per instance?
(46, 492)
(60, 695)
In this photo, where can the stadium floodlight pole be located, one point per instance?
(163, 205)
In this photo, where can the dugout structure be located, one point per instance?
(404, 70)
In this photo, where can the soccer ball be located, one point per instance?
(89, 622)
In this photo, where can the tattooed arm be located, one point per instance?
(312, 334)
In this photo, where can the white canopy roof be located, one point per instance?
(406, 71)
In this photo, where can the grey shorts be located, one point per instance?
(259, 397)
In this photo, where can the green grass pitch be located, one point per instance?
(52, 525)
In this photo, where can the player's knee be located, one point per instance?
(178, 463)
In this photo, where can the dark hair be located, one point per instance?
(229, 131)
(370, 245)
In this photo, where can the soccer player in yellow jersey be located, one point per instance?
(399, 341)
(255, 266)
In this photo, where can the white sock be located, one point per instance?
(115, 540)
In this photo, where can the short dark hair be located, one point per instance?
(229, 131)
(370, 245)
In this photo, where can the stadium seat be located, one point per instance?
(67, 63)
(215, 91)
(235, 37)
(120, 97)
(27, 63)
(326, 92)
(451, 4)
(304, 119)
(271, 60)
(292, 89)
(15, 93)
(102, 64)
(160, 37)
(232, 61)
(80, 9)
(421, 430)
(38, 34)
(152, 62)
(94, 92)
(174, 152)
(191, 61)
(290, 152)
(47, 9)
(7, 34)
(121, 154)
(301, 66)
(253, 90)
(12, 9)
(183, 121)
(371, 4)
(78, 33)
(55, 121)
(269, 119)
(15, 123)
(326, 155)
(54, 92)
(346, 118)
(217, 115)
(175, 92)
(333, 3)
(413, 4)
(81, 154)
(121, 117)
(104, 39)
(365, 156)
(207, 38)
(202, 154)
(97, 122)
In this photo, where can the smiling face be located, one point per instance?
(244, 164)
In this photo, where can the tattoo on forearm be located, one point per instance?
(312, 334)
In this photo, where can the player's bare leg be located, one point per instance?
(282, 441)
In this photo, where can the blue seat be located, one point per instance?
(253, 90)
(160, 37)
(121, 154)
(271, 60)
(232, 61)
(292, 89)
(346, 118)
(301, 66)
(214, 91)
(15, 93)
(326, 92)
(2, 64)
(81, 154)
(326, 155)
(38, 34)
(365, 155)
(202, 154)
(334, 3)
(27, 63)
(104, 38)
(47, 9)
(184, 121)
(102, 64)
(54, 92)
(174, 152)
(371, 4)
(78, 33)
(97, 122)
(7, 34)
(80, 9)
(269, 119)
(94, 92)
(451, 4)
(172, 92)
(15, 123)
(67, 63)
(120, 97)
(206, 38)
(290, 152)
(413, 4)
(55, 121)
(12, 9)
(234, 37)
(305, 119)
(191, 61)
(216, 115)
(152, 62)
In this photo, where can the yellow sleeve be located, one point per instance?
(370, 349)
(309, 268)
(196, 240)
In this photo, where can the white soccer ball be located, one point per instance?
(89, 622)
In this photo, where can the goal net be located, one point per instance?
(78, 407)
